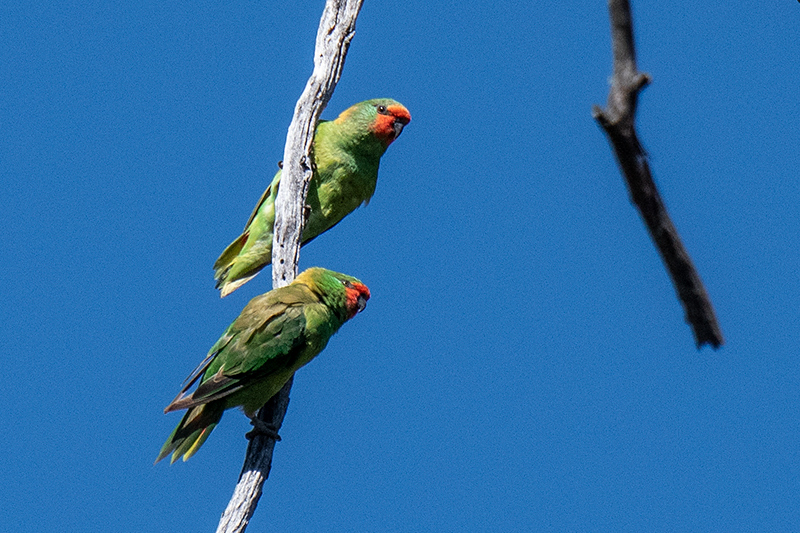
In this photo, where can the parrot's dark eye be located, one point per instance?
(382, 110)
(347, 284)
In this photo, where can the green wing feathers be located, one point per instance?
(275, 334)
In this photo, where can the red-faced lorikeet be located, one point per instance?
(347, 152)
(276, 334)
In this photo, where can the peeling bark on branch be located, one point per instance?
(336, 30)
(618, 122)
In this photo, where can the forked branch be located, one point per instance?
(618, 122)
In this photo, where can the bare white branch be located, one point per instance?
(336, 30)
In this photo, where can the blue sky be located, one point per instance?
(523, 364)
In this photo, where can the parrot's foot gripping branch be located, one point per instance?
(262, 428)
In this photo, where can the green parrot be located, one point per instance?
(276, 334)
(347, 152)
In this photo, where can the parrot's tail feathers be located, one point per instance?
(227, 288)
(229, 278)
(226, 261)
(192, 432)
(190, 446)
(226, 258)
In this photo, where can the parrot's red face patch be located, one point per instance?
(390, 121)
(357, 296)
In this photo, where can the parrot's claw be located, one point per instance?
(262, 428)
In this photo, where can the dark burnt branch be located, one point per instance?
(618, 122)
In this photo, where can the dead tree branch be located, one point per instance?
(336, 30)
(618, 122)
